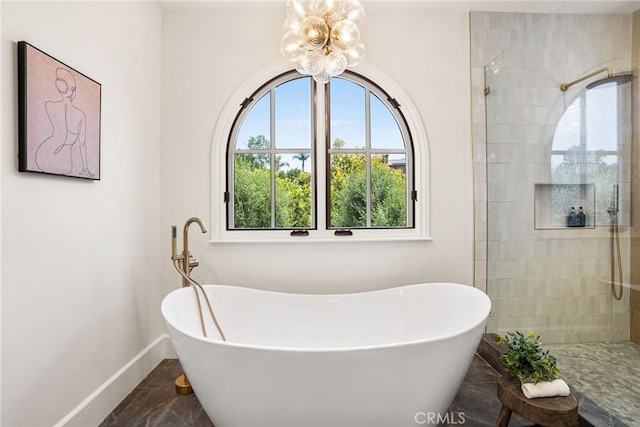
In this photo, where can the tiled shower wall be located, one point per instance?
(491, 34)
(552, 281)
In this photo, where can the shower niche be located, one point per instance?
(564, 206)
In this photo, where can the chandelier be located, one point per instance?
(322, 36)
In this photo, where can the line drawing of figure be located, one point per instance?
(69, 130)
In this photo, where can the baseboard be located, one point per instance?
(95, 408)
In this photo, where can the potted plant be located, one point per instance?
(525, 359)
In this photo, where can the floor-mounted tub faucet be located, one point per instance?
(184, 263)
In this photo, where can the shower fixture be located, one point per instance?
(616, 259)
(620, 79)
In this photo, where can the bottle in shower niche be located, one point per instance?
(572, 219)
(582, 218)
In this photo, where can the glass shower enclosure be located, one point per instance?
(558, 176)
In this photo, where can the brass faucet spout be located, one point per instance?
(188, 262)
(197, 221)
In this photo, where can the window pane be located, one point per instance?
(348, 190)
(602, 118)
(556, 161)
(293, 191)
(385, 132)
(301, 161)
(568, 129)
(293, 114)
(252, 191)
(569, 168)
(348, 121)
(388, 191)
(257, 122)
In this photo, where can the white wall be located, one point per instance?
(208, 53)
(81, 259)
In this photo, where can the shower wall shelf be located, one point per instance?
(553, 202)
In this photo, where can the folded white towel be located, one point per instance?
(546, 389)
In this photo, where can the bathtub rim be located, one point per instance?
(435, 338)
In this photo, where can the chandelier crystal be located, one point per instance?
(322, 37)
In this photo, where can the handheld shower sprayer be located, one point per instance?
(616, 259)
(174, 253)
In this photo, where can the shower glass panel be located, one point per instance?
(553, 154)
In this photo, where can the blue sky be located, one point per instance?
(348, 122)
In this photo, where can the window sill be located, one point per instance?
(316, 239)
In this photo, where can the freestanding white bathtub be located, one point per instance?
(388, 358)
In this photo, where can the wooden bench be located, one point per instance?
(561, 411)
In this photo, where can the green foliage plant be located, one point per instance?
(525, 358)
(388, 191)
(253, 192)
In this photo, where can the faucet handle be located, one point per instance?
(193, 262)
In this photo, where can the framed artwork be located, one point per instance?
(59, 117)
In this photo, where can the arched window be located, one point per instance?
(312, 161)
(585, 155)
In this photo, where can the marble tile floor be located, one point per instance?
(154, 402)
(608, 373)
